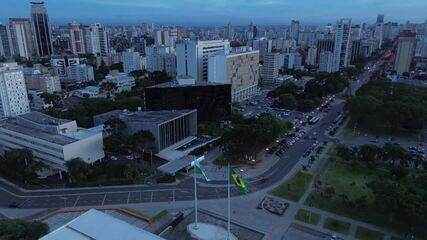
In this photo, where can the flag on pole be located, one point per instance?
(241, 184)
(200, 170)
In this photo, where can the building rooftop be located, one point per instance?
(175, 84)
(96, 225)
(44, 119)
(156, 117)
(11, 125)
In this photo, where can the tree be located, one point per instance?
(78, 170)
(344, 152)
(53, 98)
(131, 172)
(19, 164)
(114, 126)
(108, 87)
(287, 101)
(370, 154)
(17, 229)
(143, 141)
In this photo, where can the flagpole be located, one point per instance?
(228, 199)
(195, 198)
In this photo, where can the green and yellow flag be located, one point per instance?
(200, 170)
(241, 184)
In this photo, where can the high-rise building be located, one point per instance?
(311, 56)
(192, 57)
(160, 58)
(326, 61)
(324, 45)
(270, 68)
(97, 41)
(41, 29)
(240, 69)
(22, 38)
(13, 92)
(405, 51)
(77, 38)
(342, 44)
(294, 30)
(6, 48)
(229, 32)
(356, 50)
(161, 37)
(380, 18)
(424, 41)
(131, 61)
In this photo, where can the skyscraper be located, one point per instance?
(342, 44)
(270, 68)
(311, 56)
(97, 41)
(229, 32)
(22, 40)
(13, 92)
(77, 38)
(424, 43)
(41, 29)
(326, 61)
(405, 51)
(294, 30)
(6, 48)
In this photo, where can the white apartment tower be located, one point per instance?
(342, 44)
(326, 61)
(193, 56)
(311, 56)
(131, 61)
(21, 36)
(13, 92)
(97, 40)
(405, 51)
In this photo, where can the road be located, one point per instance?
(167, 193)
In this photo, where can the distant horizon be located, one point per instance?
(219, 12)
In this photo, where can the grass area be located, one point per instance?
(337, 226)
(351, 181)
(295, 187)
(307, 217)
(395, 238)
(159, 215)
(366, 234)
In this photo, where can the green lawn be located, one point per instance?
(295, 187)
(366, 234)
(351, 181)
(337, 226)
(307, 217)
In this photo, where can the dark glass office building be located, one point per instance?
(212, 100)
(41, 29)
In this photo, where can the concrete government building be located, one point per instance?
(53, 141)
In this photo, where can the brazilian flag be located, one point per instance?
(241, 184)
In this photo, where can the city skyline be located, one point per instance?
(240, 12)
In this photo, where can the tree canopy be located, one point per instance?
(383, 107)
(18, 229)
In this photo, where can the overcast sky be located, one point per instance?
(209, 12)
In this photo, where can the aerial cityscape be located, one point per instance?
(213, 120)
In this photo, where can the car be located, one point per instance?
(14, 205)
(113, 158)
(129, 157)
